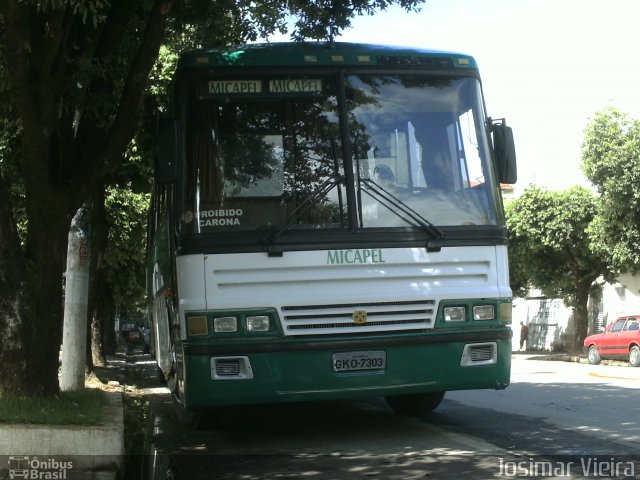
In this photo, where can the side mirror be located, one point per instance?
(504, 152)
(166, 151)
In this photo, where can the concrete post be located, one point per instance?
(74, 334)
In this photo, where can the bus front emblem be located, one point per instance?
(359, 317)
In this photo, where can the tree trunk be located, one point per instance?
(14, 301)
(581, 315)
(97, 357)
(108, 316)
(31, 280)
(30, 317)
(96, 354)
(102, 327)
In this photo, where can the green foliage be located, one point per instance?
(225, 22)
(92, 11)
(551, 244)
(160, 78)
(611, 161)
(323, 19)
(125, 253)
(551, 247)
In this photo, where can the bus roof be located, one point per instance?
(324, 53)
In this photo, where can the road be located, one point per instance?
(599, 402)
(559, 412)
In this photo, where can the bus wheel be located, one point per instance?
(415, 403)
(188, 418)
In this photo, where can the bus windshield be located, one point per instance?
(266, 152)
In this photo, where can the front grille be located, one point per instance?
(479, 354)
(231, 368)
(340, 318)
(228, 368)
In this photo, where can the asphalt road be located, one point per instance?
(554, 407)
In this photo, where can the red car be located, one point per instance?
(621, 340)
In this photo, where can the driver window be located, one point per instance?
(618, 325)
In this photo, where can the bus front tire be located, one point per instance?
(415, 403)
(190, 419)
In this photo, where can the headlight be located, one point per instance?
(225, 324)
(258, 323)
(198, 326)
(455, 314)
(483, 312)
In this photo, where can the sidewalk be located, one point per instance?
(551, 356)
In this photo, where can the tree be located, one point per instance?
(117, 276)
(74, 73)
(551, 248)
(611, 161)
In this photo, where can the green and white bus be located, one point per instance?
(327, 224)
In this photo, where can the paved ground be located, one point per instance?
(293, 441)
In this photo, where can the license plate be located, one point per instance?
(352, 361)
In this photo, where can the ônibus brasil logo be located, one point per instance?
(34, 468)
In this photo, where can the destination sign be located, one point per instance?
(297, 85)
(227, 87)
(280, 85)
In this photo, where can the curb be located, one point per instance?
(557, 357)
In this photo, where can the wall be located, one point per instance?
(550, 322)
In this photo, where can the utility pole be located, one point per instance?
(76, 294)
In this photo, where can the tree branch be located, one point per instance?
(130, 105)
(112, 35)
(129, 110)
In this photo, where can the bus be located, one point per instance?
(326, 224)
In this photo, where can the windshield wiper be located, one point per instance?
(395, 206)
(295, 215)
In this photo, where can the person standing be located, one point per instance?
(524, 333)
